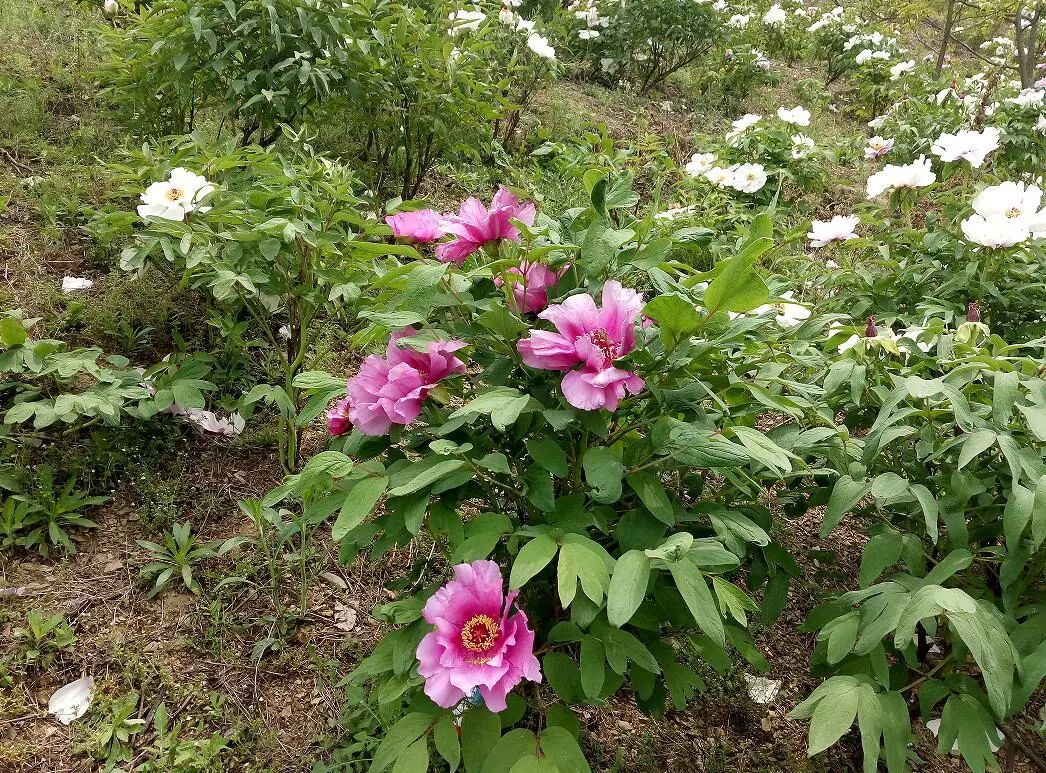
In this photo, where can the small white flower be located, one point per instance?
(739, 20)
(73, 284)
(839, 229)
(110, 8)
(1028, 98)
(700, 163)
(798, 115)
(539, 45)
(802, 146)
(719, 5)
(865, 55)
(175, 197)
(748, 178)
(588, 34)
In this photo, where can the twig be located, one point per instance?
(18, 165)
(1011, 735)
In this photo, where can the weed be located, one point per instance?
(43, 639)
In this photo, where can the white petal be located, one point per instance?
(72, 701)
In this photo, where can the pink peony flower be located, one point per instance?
(338, 422)
(475, 225)
(593, 338)
(477, 643)
(390, 390)
(531, 294)
(419, 227)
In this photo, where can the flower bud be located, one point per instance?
(973, 312)
(871, 331)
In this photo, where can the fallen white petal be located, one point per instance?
(762, 690)
(72, 701)
(73, 284)
(344, 616)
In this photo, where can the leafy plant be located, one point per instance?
(44, 639)
(180, 552)
(51, 510)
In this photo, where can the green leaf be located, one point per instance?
(547, 453)
(593, 666)
(401, 735)
(846, 494)
(562, 748)
(603, 472)
(833, 716)
(531, 559)
(447, 742)
(358, 505)
(1004, 395)
(653, 496)
(675, 315)
(882, 550)
(975, 444)
(269, 248)
(563, 676)
(480, 733)
(415, 759)
(737, 287)
(532, 764)
(579, 563)
(694, 589)
(764, 450)
(11, 332)
(1038, 520)
(627, 586)
(425, 475)
(509, 750)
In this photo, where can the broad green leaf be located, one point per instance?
(415, 759)
(480, 733)
(531, 559)
(358, 505)
(401, 735)
(425, 476)
(559, 746)
(846, 494)
(593, 666)
(653, 495)
(445, 737)
(627, 586)
(833, 716)
(694, 589)
(509, 750)
(603, 472)
(547, 453)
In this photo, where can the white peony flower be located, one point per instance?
(743, 124)
(865, 55)
(174, 198)
(970, 145)
(719, 176)
(878, 146)
(900, 69)
(839, 229)
(739, 20)
(110, 8)
(748, 178)
(1028, 98)
(719, 5)
(539, 45)
(995, 232)
(700, 163)
(788, 314)
(775, 16)
(802, 146)
(465, 20)
(917, 174)
(1014, 202)
(798, 115)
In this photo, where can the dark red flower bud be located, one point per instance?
(973, 312)
(871, 331)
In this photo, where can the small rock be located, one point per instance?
(762, 690)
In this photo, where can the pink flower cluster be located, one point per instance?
(477, 643)
(391, 389)
(474, 227)
(593, 338)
